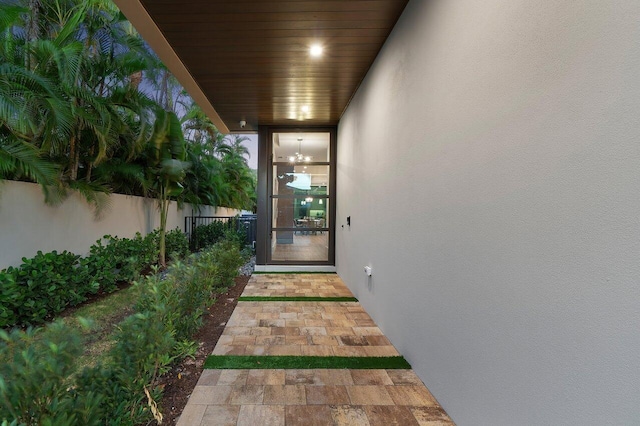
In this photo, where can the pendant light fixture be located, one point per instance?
(299, 157)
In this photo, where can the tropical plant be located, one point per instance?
(166, 167)
(219, 175)
(85, 106)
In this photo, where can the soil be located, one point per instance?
(181, 380)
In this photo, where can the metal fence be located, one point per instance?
(246, 223)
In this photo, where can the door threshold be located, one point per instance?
(295, 268)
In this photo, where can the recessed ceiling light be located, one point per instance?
(304, 108)
(316, 50)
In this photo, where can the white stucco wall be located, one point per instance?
(490, 163)
(28, 225)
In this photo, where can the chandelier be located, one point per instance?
(299, 157)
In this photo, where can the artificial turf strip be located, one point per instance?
(243, 362)
(295, 299)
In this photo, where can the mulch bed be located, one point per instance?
(181, 380)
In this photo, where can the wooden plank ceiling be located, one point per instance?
(251, 58)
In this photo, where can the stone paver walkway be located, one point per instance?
(315, 396)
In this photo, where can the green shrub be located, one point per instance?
(119, 404)
(120, 259)
(227, 256)
(101, 265)
(177, 244)
(144, 347)
(37, 384)
(208, 235)
(131, 256)
(185, 292)
(43, 286)
(34, 370)
(48, 283)
(10, 297)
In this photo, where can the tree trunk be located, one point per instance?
(164, 211)
(89, 168)
(135, 79)
(73, 158)
(33, 28)
(90, 164)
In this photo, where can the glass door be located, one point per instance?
(301, 210)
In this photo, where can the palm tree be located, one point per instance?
(236, 141)
(166, 166)
(29, 105)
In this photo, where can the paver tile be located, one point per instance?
(404, 377)
(332, 377)
(390, 416)
(316, 350)
(220, 415)
(263, 415)
(192, 415)
(380, 351)
(284, 350)
(209, 378)
(285, 395)
(233, 377)
(210, 395)
(255, 350)
(349, 415)
(313, 331)
(308, 415)
(247, 394)
(326, 395)
(371, 377)
(378, 340)
(269, 340)
(417, 396)
(369, 395)
(228, 350)
(431, 416)
(349, 350)
(265, 377)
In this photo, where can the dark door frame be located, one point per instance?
(265, 205)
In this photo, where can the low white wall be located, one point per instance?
(490, 163)
(28, 225)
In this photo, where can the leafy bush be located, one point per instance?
(48, 283)
(131, 256)
(119, 404)
(101, 265)
(208, 235)
(227, 256)
(36, 381)
(177, 244)
(34, 370)
(43, 286)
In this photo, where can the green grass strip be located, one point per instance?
(241, 362)
(293, 273)
(295, 299)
